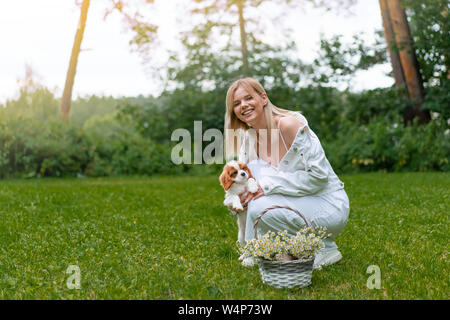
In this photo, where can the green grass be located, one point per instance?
(171, 238)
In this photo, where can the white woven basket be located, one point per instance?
(285, 274)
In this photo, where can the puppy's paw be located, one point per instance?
(238, 207)
(248, 262)
(252, 185)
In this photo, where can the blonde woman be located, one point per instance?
(289, 164)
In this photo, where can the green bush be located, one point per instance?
(31, 147)
(84, 108)
(39, 104)
(121, 150)
(386, 146)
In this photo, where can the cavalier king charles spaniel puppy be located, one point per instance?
(236, 179)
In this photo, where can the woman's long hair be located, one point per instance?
(235, 129)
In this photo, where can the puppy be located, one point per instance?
(236, 179)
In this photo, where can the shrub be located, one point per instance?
(31, 147)
(121, 150)
(387, 146)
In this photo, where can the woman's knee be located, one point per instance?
(255, 207)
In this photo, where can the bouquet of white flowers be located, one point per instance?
(281, 247)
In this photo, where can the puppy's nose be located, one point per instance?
(243, 174)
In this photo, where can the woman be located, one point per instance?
(294, 173)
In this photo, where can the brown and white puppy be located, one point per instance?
(236, 179)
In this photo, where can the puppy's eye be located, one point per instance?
(233, 174)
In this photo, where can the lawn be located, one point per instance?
(171, 238)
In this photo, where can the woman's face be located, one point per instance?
(248, 108)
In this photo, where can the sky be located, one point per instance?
(41, 33)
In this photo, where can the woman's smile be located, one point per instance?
(248, 107)
(247, 112)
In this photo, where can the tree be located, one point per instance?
(144, 35)
(240, 6)
(237, 8)
(144, 32)
(400, 43)
(430, 27)
(70, 77)
(210, 8)
(338, 62)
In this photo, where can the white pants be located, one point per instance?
(329, 210)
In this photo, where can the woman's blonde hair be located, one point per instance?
(235, 125)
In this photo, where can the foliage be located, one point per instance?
(33, 140)
(429, 24)
(120, 149)
(144, 33)
(360, 131)
(388, 146)
(84, 108)
(438, 99)
(204, 70)
(338, 61)
(35, 143)
(31, 147)
(39, 103)
(430, 27)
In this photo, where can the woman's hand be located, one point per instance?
(247, 197)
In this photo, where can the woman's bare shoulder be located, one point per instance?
(289, 126)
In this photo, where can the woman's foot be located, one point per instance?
(326, 258)
(247, 261)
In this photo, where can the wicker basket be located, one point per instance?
(285, 274)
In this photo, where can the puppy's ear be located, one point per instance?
(247, 169)
(225, 180)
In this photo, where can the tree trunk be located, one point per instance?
(240, 6)
(70, 78)
(408, 112)
(408, 60)
(390, 40)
